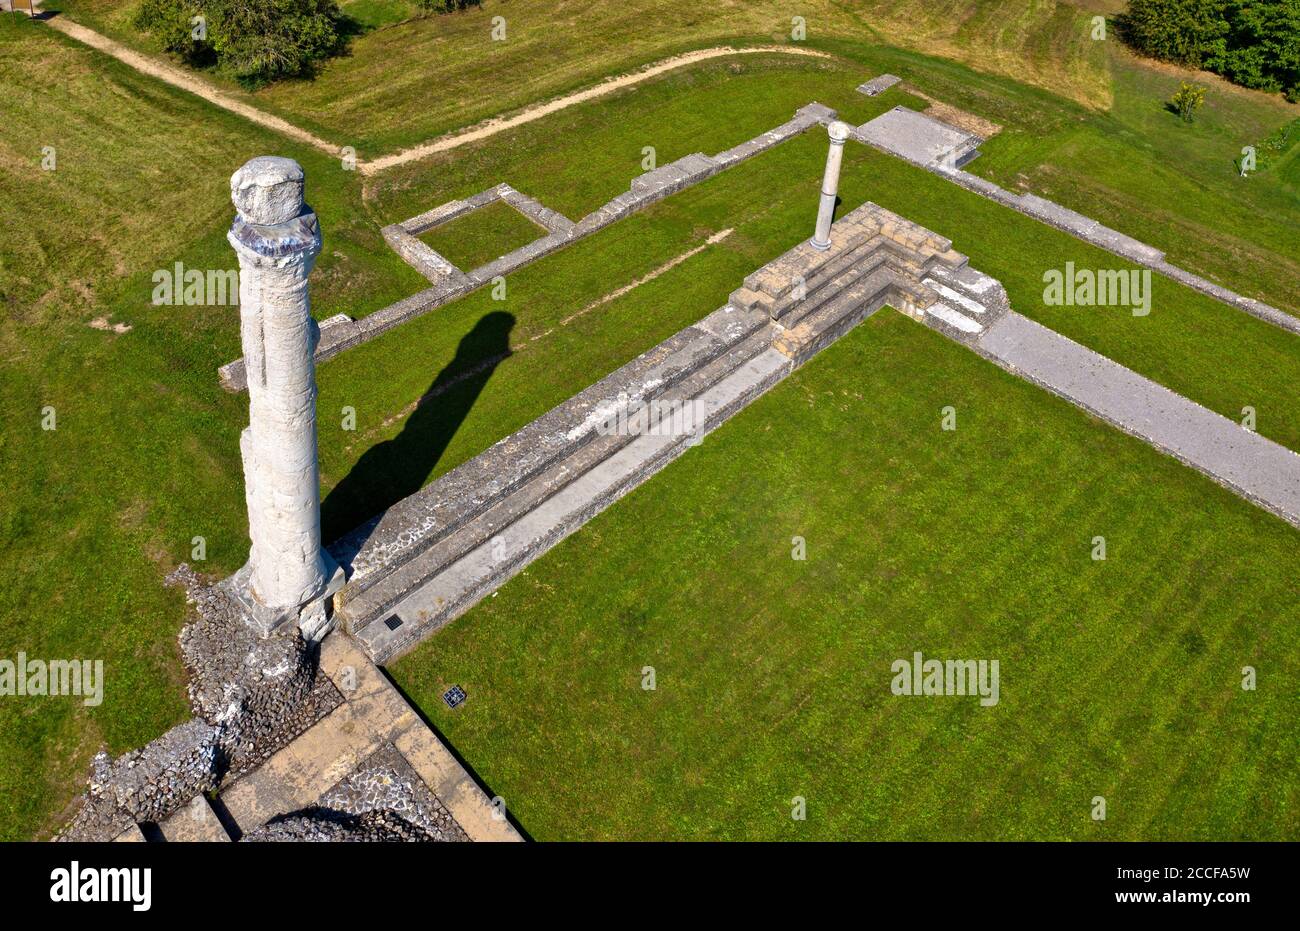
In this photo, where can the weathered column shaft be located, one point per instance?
(277, 239)
(839, 133)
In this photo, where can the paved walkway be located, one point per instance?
(1256, 468)
(940, 149)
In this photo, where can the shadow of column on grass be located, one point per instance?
(397, 468)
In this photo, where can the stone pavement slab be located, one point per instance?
(918, 138)
(1256, 468)
(372, 714)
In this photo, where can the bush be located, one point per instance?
(445, 6)
(1255, 43)
(1188, 32)
(1187, 100)
(255, 41)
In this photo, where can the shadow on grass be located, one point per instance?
(397, 468)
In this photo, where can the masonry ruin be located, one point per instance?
(297, 734)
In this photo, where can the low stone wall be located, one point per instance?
(433, 555)
(449, 282)
(1077, 225)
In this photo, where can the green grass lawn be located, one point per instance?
(405, 82)
(145, 454)
(1118, 678)
(145, 457)
(483, 235)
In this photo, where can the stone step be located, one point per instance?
(970, 292)
(419, 522)
(196, 822)
(450, 592)
(868, 259)
(372, 605)
(779, 278)
(953, 323)
(777, 299)
(837, 316)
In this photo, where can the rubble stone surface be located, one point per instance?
(250, 696)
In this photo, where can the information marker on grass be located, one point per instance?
(839, 134)
(288, 576)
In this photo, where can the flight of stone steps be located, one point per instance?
(433, 555)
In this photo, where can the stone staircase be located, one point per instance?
(433, 555)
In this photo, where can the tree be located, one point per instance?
(1255, 43)
(255, 41)
(1187, 100)
(1188, 32)
(1263, 45)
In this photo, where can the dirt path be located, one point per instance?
(608, 86)
(186, 81)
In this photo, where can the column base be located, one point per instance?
(315, 617)
(819, 246)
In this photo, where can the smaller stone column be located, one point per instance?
(839, 133)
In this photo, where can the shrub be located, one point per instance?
(1187, 100)
(255, 41)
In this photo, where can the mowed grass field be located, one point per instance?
(1118, 678)
(145, 455)
(408, 78)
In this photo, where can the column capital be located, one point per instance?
(297, 241)
(273, 224)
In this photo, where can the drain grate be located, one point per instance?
(454, 696)
(393, 622)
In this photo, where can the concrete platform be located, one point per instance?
(920, 138)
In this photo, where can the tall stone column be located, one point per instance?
(839, 134)
(276, 236)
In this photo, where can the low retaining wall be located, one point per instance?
(449, 282)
